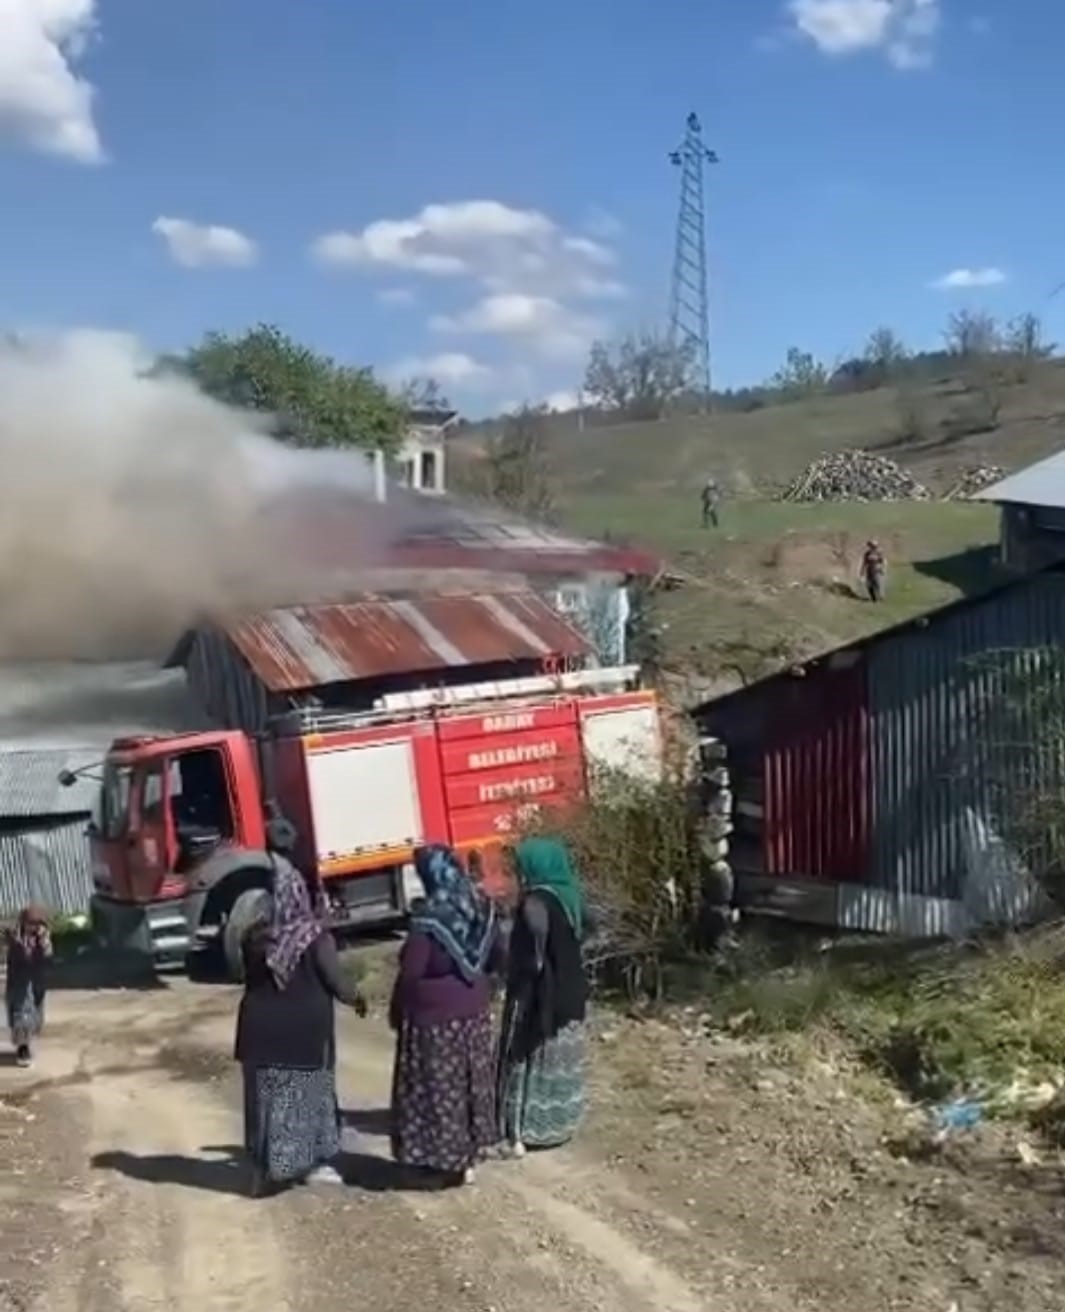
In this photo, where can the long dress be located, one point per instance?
(443, 1083)
(287, 1049)
(543, 1044)
(25, 988)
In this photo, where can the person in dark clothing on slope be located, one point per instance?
(874, 570)
(286, 1039)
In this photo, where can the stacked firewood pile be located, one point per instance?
(974, 480)
(855, 476)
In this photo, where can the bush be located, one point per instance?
(938, 1024)
(637, 846)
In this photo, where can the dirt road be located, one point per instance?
(121, 1188)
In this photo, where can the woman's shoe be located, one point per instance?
(469, 1176)
(516, 1150)
(325, 1175)
(23, 1057)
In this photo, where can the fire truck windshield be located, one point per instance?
(114, 801)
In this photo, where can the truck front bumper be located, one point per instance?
(161, 930)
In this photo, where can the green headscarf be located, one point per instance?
(544, 864)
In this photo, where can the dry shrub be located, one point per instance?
(637, 845)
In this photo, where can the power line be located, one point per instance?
(689, 303)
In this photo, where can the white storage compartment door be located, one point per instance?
(625, 739)
(364, 799)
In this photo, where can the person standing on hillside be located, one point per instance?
(29, 949)
(874, 570)
(711, 503)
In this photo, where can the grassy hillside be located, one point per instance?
(778, 580)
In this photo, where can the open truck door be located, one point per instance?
(170, 807)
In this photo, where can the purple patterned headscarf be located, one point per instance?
(295, 924)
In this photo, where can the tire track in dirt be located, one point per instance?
(544, 1232)
(172, 1231)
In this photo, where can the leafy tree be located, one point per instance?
(640, 376)
(802, 374)
(314, 401)
(517, 467)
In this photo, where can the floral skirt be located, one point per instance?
(542, 1098)
(443, 1094)
(291, 1120)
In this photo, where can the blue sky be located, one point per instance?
(868, 149)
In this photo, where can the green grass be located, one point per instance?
(771, 586)
(779, 581)
(939, 1023)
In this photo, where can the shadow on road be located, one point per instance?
(224, 1176)
(222, 1171)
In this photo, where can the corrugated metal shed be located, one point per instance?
(1041, 484)
(937, 771)
(927, 786)
(303, 647)
(816, 784)
(50, 866)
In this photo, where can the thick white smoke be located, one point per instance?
(131, 502)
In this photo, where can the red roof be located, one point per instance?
(301, 647)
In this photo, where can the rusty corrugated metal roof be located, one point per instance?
(304, 646)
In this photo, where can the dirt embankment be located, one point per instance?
(708, 1180)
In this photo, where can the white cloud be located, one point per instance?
(454, 368)
(963, 279)
(44, 104)
(903, 30)
(563, 401)
(396, 296)
(484, 240)
(544, 323)
(205, 245)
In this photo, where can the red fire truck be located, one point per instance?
(179, 858)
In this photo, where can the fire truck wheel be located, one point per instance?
(252, 905)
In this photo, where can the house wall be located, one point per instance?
(599, 605)
(421, 463)
(881, 778)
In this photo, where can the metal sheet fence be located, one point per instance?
(943, 772)
(47, 865)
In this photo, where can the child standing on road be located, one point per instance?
(29, 948)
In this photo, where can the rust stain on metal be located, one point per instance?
(305, 646)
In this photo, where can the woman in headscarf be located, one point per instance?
(443, 1086)
(286, 1034)
(542, 1045)
(29, 948)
